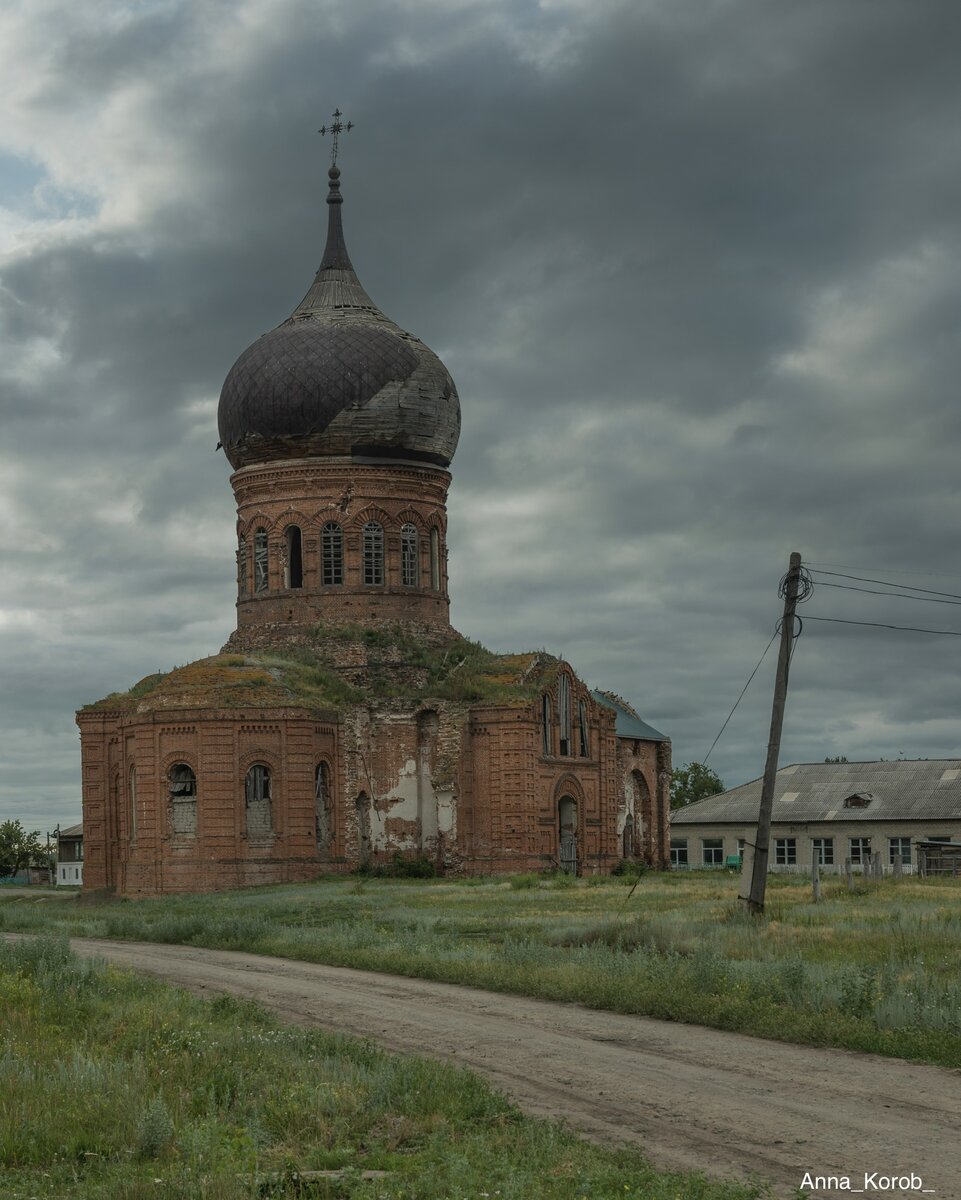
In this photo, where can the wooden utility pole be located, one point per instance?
(755, 900)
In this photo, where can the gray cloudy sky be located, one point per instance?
(693, 264)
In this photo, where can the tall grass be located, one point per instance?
(112, 1087)
(878, 970)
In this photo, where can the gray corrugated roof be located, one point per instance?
(73, 831)
(900, 791)
(628, 724)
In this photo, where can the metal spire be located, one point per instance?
(335, 129)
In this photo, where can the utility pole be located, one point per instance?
(755, 901)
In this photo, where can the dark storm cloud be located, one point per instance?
(694, 268)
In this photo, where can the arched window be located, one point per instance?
(331, 554)
(547, 740)
(132, 801)
(294, 567)
(585, 734)
(322, 807)
(261, 573)
(435, 559)
(409, 563)
(567, 834)
(183, 800)
(257, 801)
(242, 567)
(564, 713)
(373, 554)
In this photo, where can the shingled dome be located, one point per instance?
(338, 378)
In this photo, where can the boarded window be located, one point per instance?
(294, 566)
(564, 714)
(183, 800)
(546, 735)
(373, 554)
(409, 564)
(322, 808)
(435, 559)
(260, 822)
(332, 554)
(261, 574)
(242, 567)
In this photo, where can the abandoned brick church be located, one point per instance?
(346, 723)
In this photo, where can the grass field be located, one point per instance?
(113, 1087)
(877, 969)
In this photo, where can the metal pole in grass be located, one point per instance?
(815, 877)
(790, 587)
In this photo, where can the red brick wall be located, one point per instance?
(308, 494)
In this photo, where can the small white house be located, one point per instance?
(70, 856)
(828, 812)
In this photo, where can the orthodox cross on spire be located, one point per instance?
(335, 129)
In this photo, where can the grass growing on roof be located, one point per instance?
(874, 970)
(115, 1087)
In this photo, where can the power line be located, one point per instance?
(847, 587)
(743, 690)
(907, 587)
(897, 570)
(880, 625)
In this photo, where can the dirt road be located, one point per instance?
(693, 1098)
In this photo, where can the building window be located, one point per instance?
(332, 555)
(899, 847)
(546, 738)
(242, 567)
(322, 811)
(785, 852)
(409, 562)
(822, 850)
(261, 573)
(860, 850)
(585, 736)
(373, 554)
(132, 800)
(712, 852)
(257, 801)
(564, 714)
(679, 852)
(183, 800)
(294, 566)
(938, 838)
(435, 559)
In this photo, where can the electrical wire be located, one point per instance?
(899, 570)
(847, 587)
(743, 690)
(880, 625)
(905, 587)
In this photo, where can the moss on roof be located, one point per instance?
(287, 676)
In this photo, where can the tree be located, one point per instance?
(693, 782)
(17, 848)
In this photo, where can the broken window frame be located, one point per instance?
(258, 793)
(182, 797)
(332, 555)
(261, 562)
(242, 567)
(294, 566)
(435, 558)
(409, 556)
(564, 715)
(373, 554)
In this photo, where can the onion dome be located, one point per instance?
(338, 378)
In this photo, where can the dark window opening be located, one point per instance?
(373, 554)
(294, 567)
(712, 850)
(183, 799)
(564, 714)
(409, 564)
(258, 801)
(546, 724)
(435, 559)
(242, 567)
(679, 852)
(332, 554)
(585, 736)
(567, 821)
(261, 573)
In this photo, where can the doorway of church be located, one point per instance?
(567, 820)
